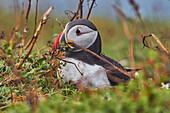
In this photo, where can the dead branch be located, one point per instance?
(88, 15)
(2, 82)
(2, 50)
(103, 59)
(2, 35)
(164, 41)
(118, 10)
(45, 73)
(36, 13)
(12, 97)
(57, 19)
(18, 20)
(35, 24)
(158, 41)
(71, 63)
(78, 9)
(129, 35)
(36, 34)
(136, 9)
(3, 107)
(25, 29)
(81, 10)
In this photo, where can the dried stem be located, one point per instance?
(36, 13)
(3, 107)
(103, 59)
(129, 35)
(45, 73)
(25, 30)
(164, 41)
(57, 19)
(2, 82)
(36, 34)
(71, 63)
(12, 97)
(88, 15)
(2, 35)
(18, 20)
(79, 8)
(136, 9)
(158, 41)
(35, 24)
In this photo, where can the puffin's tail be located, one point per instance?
(129, 69)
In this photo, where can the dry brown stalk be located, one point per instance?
(18, 20)
(45, 73)
(2, 50)
(103, 59)
(12, 97)
(88, 15)
(3, 107)
(158, 41)
(71, 63)
(79, 9)
(35, 24)
(164, 41)
(136, 9)
(57, 19)
(25, 30)
(129, 35)
(2, 35)
(36, 34)
(36, 13)
(32, 98)
(2, 82)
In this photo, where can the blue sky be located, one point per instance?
(104, 7)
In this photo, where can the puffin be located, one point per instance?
(82, 66)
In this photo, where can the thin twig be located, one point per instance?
(136, 9)
(79, 8)
(2, 82)
(3, 107)
(12, 98)
(71, 63)
(25, 29)
(129, 35)
(158, 41)
(35, 25)
(18, 20)
(88, 15)
(103, 59)
(164, 41)
(2, 35)
(45, 73)
(57, 19)
(2, 50)
(36, 14)
(36, 34)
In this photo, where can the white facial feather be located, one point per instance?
(86, 39)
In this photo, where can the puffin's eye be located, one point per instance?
(78, 32)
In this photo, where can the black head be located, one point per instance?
(81, 32)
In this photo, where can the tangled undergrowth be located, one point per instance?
(33, 86)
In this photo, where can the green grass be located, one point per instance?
(137, 96)
(34, 94)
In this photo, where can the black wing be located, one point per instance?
(114, 75)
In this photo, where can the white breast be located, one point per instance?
(92, 75)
